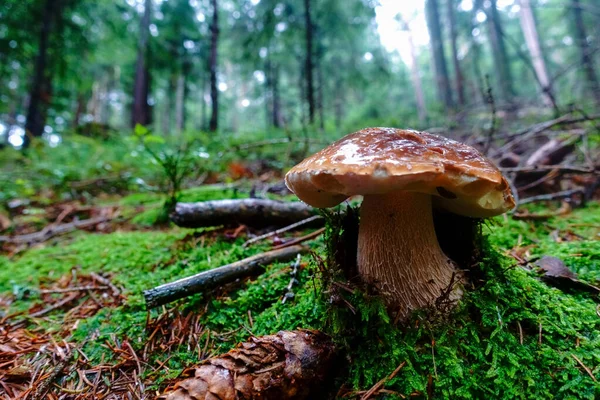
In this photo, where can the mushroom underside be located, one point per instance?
(398, 252)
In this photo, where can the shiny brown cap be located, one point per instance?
(382, 160)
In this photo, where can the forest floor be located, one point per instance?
(73, 322)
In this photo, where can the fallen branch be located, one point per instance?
(282, 230)
(207, 280)
(251, 212)
(377, 387)
(51, 231)
(57, 371)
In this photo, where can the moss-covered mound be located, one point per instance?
(511, 336)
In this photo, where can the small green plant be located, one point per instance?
(176, 163)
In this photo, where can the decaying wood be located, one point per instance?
(290, 365)
(252, 212)
(207, 280)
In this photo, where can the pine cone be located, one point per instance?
(288, 365)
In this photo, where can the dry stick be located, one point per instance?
(552, 196)
(203, 281)
(61, 303)
(252, 212)
(51, 231)
(589, 372)
(73, 289)
(301, 239)
(379, 384)
(105, 281)
(560, 168)
(282, 230)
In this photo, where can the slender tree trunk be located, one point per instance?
(320, 100)
(180, 103)
(214, 92)
(203, 107)
(277, 116)
(338, 103)
(79, 107)
(167, 117)
(308, 70)
(458, 77)
(437, 47)
(141, 109)
(415, 77)
(587, 61)
(535, 49)
(41, 85)
(501, 62)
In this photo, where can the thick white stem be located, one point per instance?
(399, 253)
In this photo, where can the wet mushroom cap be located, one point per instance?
(384, 160)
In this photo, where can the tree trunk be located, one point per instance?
(414, 74)
(308, 70)
(214, 92)
(533, 44)
(320, 105)
(167, 117)
(499, 52)
(180, 103)
(277, 117)
(41, 86)
(141, 109)
(458, 78)
(437, 47)
(587, 61)
(203, 107)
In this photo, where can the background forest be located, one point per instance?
(146, 141)
(235, 66)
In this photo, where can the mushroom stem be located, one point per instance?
(399, 253)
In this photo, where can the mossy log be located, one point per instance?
(213, 278)
(252, 212)
(288, 365)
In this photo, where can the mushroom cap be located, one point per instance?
(383, 160)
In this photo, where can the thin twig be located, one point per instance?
(542, 168)
(106, 282)
(552, 196)
(73, 289)
(301, 239)
(589, 371)
(42, 388)
(380, 384)
(55, 306)
(282, 230)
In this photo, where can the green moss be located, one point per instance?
(476, 352)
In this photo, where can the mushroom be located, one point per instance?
(401, 175)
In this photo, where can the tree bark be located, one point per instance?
(499, 52)
(253, 212)
(458, 77)
(532, 39)
(308, 70)
(141, 109)
(41, 85)
(214, 92)
(587, 61)
(437, 48)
